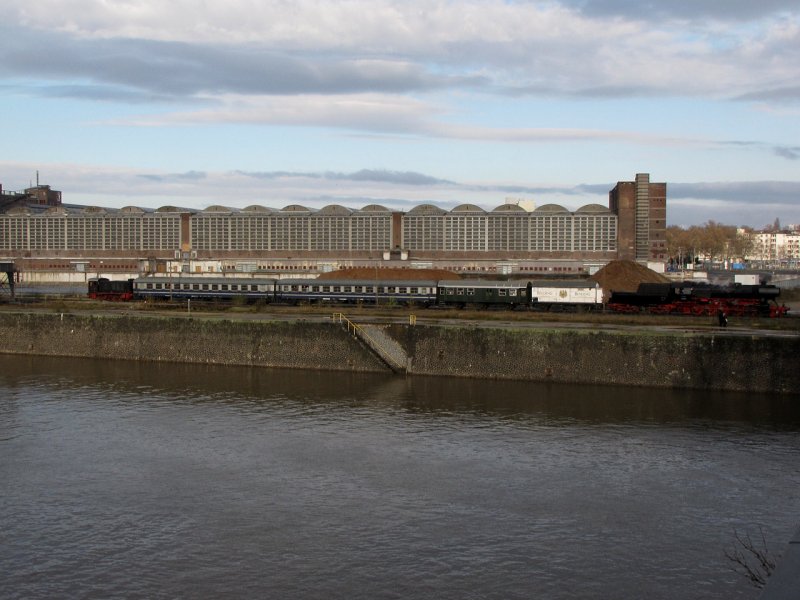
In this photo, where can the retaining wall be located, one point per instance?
(626, 357)
(673, 359)
(192, 340)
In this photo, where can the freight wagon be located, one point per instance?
(566, 295)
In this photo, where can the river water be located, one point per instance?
(126, 480)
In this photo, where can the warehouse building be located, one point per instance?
(37, 229)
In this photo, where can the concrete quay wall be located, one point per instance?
(626, 357)
(711, 360)
(190, 340)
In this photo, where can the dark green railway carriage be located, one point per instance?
(463, 293)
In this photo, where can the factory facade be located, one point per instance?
(38, 231)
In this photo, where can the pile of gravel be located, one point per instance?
(625, 276)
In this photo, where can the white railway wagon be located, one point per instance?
(549, 295)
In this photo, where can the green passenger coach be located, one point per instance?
(487, 293)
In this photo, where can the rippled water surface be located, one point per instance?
(173, 481)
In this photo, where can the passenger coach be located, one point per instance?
(366, 291)
(226, 288)
(480, 292)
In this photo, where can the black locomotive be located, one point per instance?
(700, 299)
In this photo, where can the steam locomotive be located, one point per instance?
(700, 299)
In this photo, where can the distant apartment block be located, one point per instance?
(775, 246)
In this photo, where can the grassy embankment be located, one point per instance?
(79, 305)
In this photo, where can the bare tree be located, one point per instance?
(714, 240)
(743, 243)
(753, 562)
(774, 227)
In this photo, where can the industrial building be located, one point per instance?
(38, 232)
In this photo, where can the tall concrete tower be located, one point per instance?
(641, 209)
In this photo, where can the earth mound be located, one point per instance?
(390, 274)
(625, 276)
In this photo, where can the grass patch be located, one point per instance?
(599, 319)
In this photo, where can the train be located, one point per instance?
(682, 298)
(549, 295)
(700, 299)
(101, 288)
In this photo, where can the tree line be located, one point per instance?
(711, 240)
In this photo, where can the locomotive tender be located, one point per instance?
(687, 298)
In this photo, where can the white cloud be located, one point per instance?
(365, 112)
(386, 115)
(375, 25)
(530, 47)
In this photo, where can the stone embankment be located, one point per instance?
(708, 360)
(191, 340)
(394, 355)
(626, 357)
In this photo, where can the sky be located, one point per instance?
(313, 102)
